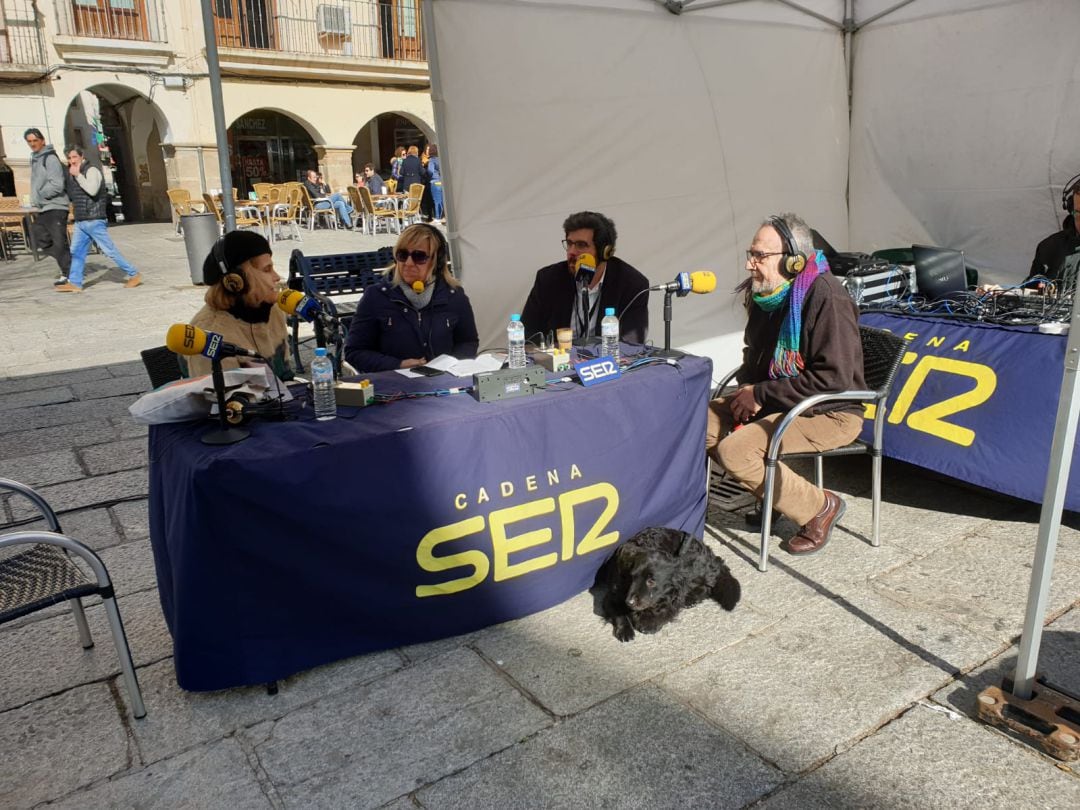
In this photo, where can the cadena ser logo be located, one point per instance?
(596, 371)
(500, 549)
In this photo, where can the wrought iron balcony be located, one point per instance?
(132, 20)
(351, 29)
(20, 39)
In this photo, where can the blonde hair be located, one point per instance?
(422, 236)
(414, 151)
(217, 297)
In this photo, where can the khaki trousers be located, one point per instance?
(742, 453)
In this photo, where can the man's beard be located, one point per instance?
(761, 287)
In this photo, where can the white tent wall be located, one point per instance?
(965, 127)
(686, 130)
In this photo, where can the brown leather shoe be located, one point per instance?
(812, 537)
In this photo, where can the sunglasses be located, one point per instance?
(418, 256)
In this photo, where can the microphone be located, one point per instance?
(700, 281)
(183, 338)
(292, 302)
(585, 268)
(418, 287)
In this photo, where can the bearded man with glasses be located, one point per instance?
(801, 339)
(416, 313)
(556, 298)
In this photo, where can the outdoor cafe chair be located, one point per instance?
(377, 215)
(182, 204)
(43, 568)
(882, 354)
(358, 216)
(308, 207)
(286, 213)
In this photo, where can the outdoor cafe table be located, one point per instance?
(415, 520)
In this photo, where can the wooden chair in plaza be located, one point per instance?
(286, 213)
(245, 217)
(11, 226)
(39, 569)
(181, 202)
(262, 190)
(391, 185)
(882, 354)
(376, 215)
(309, 210)
(358, 215)
(410, 211)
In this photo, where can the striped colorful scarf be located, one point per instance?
(786, 361)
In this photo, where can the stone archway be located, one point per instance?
(376, 140)
(122, 131)
(270, 146)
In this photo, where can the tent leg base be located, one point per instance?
(1050, 719)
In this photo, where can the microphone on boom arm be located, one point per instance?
(700, 282)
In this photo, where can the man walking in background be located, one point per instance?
(48, 194)
(86, 187)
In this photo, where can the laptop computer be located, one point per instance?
(939, 272)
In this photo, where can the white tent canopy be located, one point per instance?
(688, 129)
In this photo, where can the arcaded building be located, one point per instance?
(327, 84)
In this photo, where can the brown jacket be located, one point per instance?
(829, 344)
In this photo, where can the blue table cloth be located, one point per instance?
(416, 520)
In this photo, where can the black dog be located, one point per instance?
(654, 575)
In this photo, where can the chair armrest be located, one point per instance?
(724, 382)
(810, 402)
(55, 539)
(35, 498)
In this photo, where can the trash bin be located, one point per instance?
(200, 233)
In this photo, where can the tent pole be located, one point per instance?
(438, 109)
(213, 66)
(1057, 480)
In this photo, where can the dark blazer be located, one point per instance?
(412, 171)
(1052, 251)
(386, 329)
(551, 301)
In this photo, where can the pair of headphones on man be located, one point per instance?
(232, 278)
(604, 237)
(796, 259)
(1068, 194)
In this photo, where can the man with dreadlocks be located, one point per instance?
(801, 339)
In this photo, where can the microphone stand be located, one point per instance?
(226, 433)
(667, 351)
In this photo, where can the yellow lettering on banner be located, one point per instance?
(935, 341)
(482, 496)
(911, 335)
(530, 483)
(473, 558)
(930, 419)
(506, 488)
(460, 501)
(574, 472)
(962, 346)
(594, 537)
(503, 546)
(553, 477)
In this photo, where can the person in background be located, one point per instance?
(241, 303)
(427, 207)
(555, 300)
(323, 198)
(1050, 255)
(411, 170)
(370, 179)
(395, 166)
(48, 192)
(417, 313)
(86, 187)
(434, 168)
(801, 339)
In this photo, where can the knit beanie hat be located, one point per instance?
(237, 247)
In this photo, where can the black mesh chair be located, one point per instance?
(44, 573)
(882, 354)
(162, 365)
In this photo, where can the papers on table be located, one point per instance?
(489, 361)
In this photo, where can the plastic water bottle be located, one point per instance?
(515, 342)
(609, 335)
(322, 380)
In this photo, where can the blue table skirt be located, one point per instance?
(395, 524)
(976, 402)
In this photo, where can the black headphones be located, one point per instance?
(442, 252)
(796, 259)
(232, 279)
(1068, 194)
(604, 237)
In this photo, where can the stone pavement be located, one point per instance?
(844, 680)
